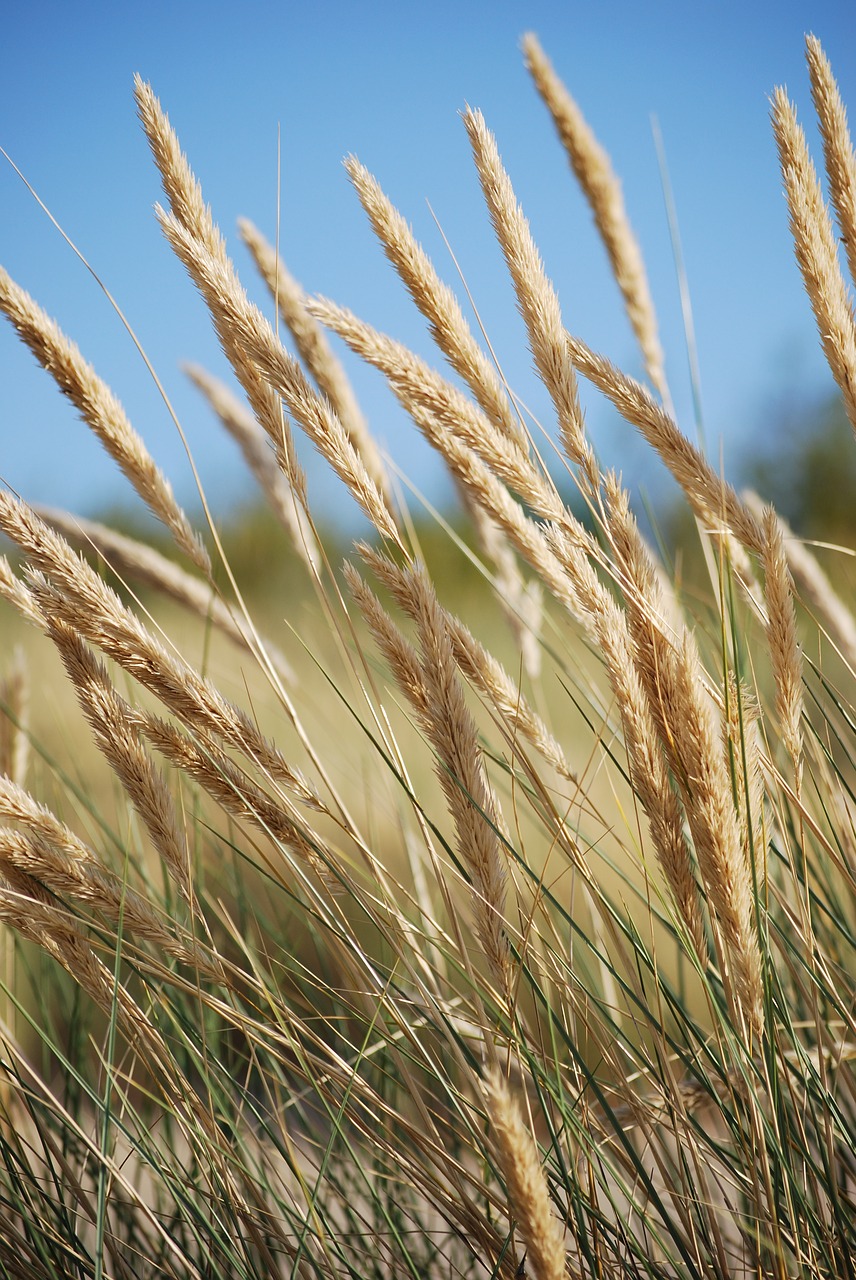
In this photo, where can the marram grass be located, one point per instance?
(580, 1004)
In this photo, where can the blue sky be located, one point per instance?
(387, 81)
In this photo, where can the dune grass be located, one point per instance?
(405, 946)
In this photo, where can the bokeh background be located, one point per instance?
(267, 99)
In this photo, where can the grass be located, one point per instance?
(495, 926)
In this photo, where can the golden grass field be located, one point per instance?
(472, 900)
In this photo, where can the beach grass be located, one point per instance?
(480, 902)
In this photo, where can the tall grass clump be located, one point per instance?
(417, 945)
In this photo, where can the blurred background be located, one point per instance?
(268, 98)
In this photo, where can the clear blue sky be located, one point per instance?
(386, 81)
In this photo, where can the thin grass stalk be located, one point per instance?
(648, 773)
(67, 862)
(481, 668)
(419, 389)
(670, 672)
(25, 908)
(723, 861)
(14, 718)
(412, 380)
(742, 737)
(39, 871)
(711, 498)
(401, 656)
(14, 760)
(52, 856)
(184, 692)
(785, 655)
(429, 679)
(234, 791)
(520, 601)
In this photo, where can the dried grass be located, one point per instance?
(817, 252)
(581, 1004)
(101, 411)
(527, 1186)
(316, 353)
(593, 171)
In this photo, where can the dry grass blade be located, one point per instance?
(316, 352)
(101, 411)
(184, 692)
(837, 146)
(656, 704)
(419, 388)
(460, 766)
(742, 735)
(671, 674)
(481, 668)
(474, 453)
(415, 385)
(593, 170)
(524, 534)
(706, 784)
(24, 907)
(648, 772)
(401, 656)
(816, 251)
(522, 602)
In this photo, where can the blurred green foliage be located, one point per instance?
(805, 464)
